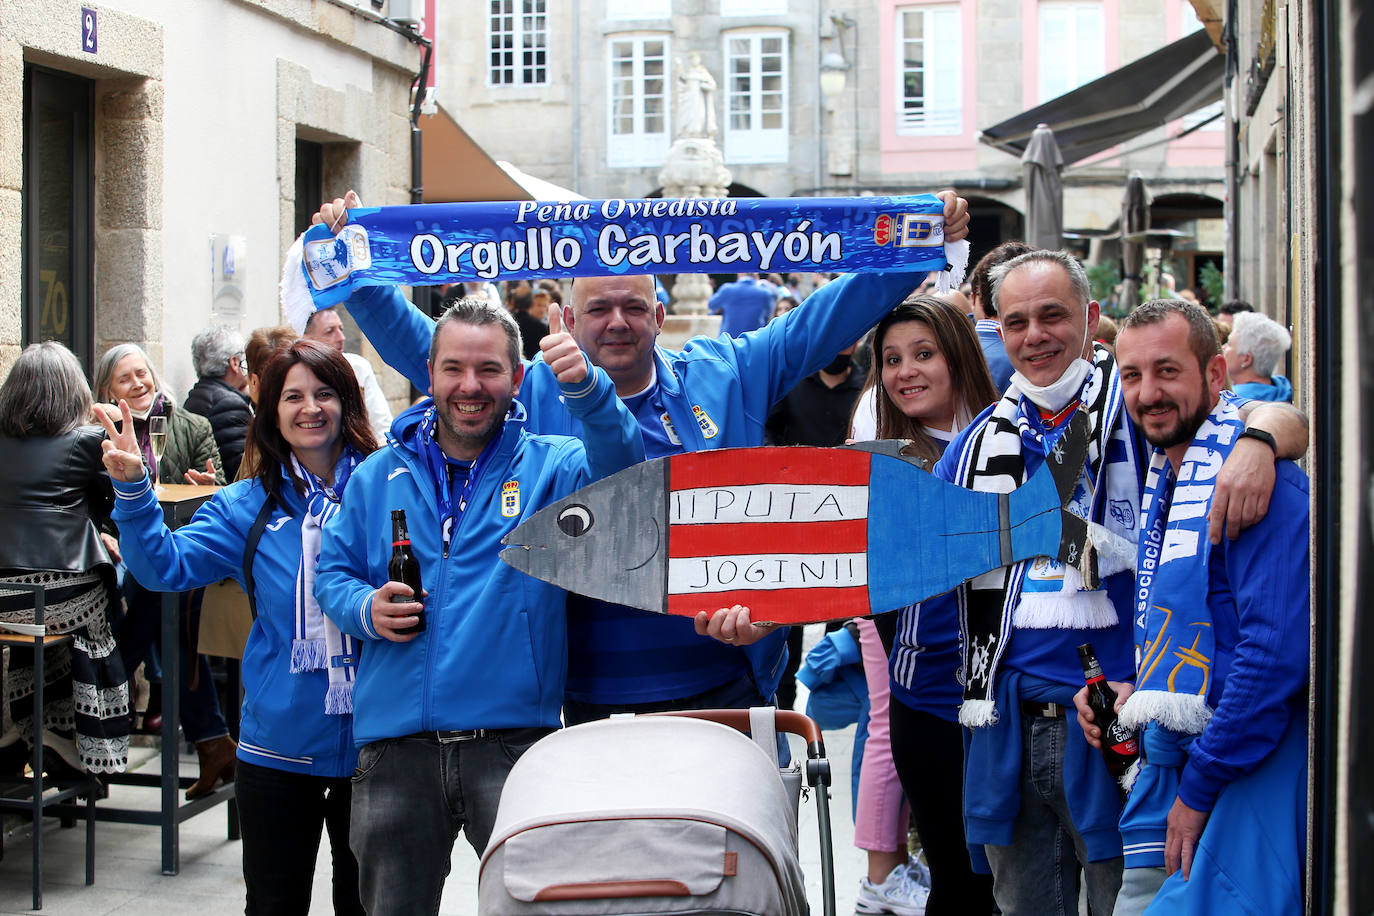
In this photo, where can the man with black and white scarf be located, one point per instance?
(1038, 799)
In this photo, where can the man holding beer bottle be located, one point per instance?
(1219, 802)
(441, 711)
(1037, 798)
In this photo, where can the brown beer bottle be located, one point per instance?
(404, 567)
(1119, 745)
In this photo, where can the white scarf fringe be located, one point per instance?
(1187, 714)
(1114, 552)
(956, 255)
(296, 302)
(977, 713)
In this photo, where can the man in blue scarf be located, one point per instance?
(1219, 801)
(1038, 800)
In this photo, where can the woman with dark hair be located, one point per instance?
(52, 495)
(932, 380)
(124, 373)
(295, 753)
(932, 375)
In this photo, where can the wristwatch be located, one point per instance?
(1253, 433)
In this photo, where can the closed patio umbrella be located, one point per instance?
(1042, 164)
(1135, 226)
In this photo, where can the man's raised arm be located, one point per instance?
(1246, 481)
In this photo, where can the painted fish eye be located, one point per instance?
(575, 521)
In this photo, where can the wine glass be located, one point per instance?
(157, 436)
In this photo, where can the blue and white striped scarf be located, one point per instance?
(1043, 593)
(317, 643)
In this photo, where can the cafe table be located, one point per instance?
(179, 503)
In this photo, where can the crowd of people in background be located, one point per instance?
(956, 699)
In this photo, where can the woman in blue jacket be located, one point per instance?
(931, 380)
(295, 753)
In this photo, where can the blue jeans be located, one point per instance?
(140, 632)
(411, 798)
(282, 814)
(1037, 874)
(1138, 888)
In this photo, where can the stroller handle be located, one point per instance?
(785, 720)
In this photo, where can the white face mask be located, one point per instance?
(1056, 395)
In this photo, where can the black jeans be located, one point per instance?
(929, 754)
(139, 635)
(281, 814)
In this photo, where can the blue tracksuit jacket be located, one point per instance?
(494, 653)
(283, 725)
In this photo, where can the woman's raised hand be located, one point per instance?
(122, 457)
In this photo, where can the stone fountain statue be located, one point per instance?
(694, 166)
(694, 107)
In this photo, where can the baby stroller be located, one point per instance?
(665, 813)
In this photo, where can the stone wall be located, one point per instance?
(196, 112)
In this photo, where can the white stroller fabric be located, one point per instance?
(676, 800)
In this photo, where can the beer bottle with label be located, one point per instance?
(404, 567)
(1119, 745)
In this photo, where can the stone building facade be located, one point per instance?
(579, 93)
(157, 157)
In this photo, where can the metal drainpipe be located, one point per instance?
(576, 95)
(854, 167)
(1231, 262)
(820, 99)
(1328, 521)
(417, 189)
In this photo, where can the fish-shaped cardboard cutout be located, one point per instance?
(799, 535)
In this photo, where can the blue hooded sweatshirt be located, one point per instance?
(1281, 390)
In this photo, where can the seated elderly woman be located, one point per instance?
(52, 494)
(124, 372)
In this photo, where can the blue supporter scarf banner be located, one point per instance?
(433, 244)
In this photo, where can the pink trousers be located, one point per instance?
(880, 822)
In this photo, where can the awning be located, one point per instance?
(1185, 76)
(454, 168)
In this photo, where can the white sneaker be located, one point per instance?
(899, 894)
(918, 871)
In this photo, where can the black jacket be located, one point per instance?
(229, 414)
(532, 330)
(52, 493)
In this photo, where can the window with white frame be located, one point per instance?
(755, 96)
(517, 42)
(637, 121)
(753, 7)
(639, 9)
(930, 86)
(1072, 47)
(1208, 116)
